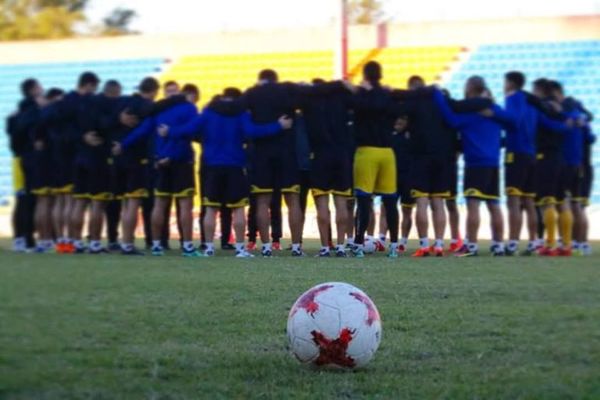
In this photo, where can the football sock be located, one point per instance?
(424, 243)
(350, 240)
(210, 246)
(382, 237)
(340, 247)
(392, 216)
(266, 246)
(550, 222)
(188, 246)
(498, 246)
(513, 245)
(576, 245)
(127, 246)
(393, 246)
(403, 241)
(566, 227)
(531, 246)
(324, 249)
(239, 246)
(586, 248)
(473, 247)
(156, 243)
(79, 244)
(19, 244)
(296, 246)
(438, 243)
(62, 240)
(539, 243)
(363, 214)
(95, 245)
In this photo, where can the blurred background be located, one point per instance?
(224, 43)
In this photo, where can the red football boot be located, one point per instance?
(548, 252)
(422, 252)
(454, 247)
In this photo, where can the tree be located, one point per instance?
(118, 21)
(55, 19)
(365, 12)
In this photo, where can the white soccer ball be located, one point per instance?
(334, 325)
(369, 246)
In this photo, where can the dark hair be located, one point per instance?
(517, 78)
(477, 83)
(372, 72)
(543, 85)
(268, 75)
(415, 78)
(318, 81)
(190, 88)
(88, 78)
(555, 86)
(149, 85)
(27, 86)
(232, 92)
(170, 83)
(112, 83)
(53, 93)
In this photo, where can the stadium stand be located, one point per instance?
(63, 75)
(575, 63)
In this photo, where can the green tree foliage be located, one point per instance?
(365, 12)
(54, 19)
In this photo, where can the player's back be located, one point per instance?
(266, 103)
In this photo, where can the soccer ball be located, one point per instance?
(369, 246)
(334, 325)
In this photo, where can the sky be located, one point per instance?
(185, 16)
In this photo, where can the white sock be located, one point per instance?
(240, 246)
(339, 247)
(266, 246)
(424, 243)
(210, 246)
(188, 245)
(513, 245)
(95, 245)
(369, 238)
(403, 241)
(382, 237)
(576, 245)
(296, 246)
(126, 246)
(324, 249)
(62, 240)
(473, 247)
(498, 245)
(393, 246)
(531, 245)
(350, 240)
(438, 243)
(79, 244)
(156, 243)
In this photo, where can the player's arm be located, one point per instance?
(191, 130)
(474, 104)
(143, 131)
(253, 130)
(552, 124)
(453, 119)
(501, 116)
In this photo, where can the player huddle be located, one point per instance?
(108, 156)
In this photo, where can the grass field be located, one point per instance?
(108, 327)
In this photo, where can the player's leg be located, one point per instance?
(276, 219)
(342, 219)
(497, 227)
(96, 219)
(473, 221)
(515, 222)
(225, 218)
(252, 228)
(129, 223)
(292, 200)
(57, 223)
(113, 212)
(366, 168)
(161, 202)
(454, 223)
(323, 221)
(76, 223)
(263, 219)
(210, 222)
(43, 223)
(383, 225)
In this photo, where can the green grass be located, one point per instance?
(109, 327)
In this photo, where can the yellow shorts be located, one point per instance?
(375, 171)
(18, 175)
